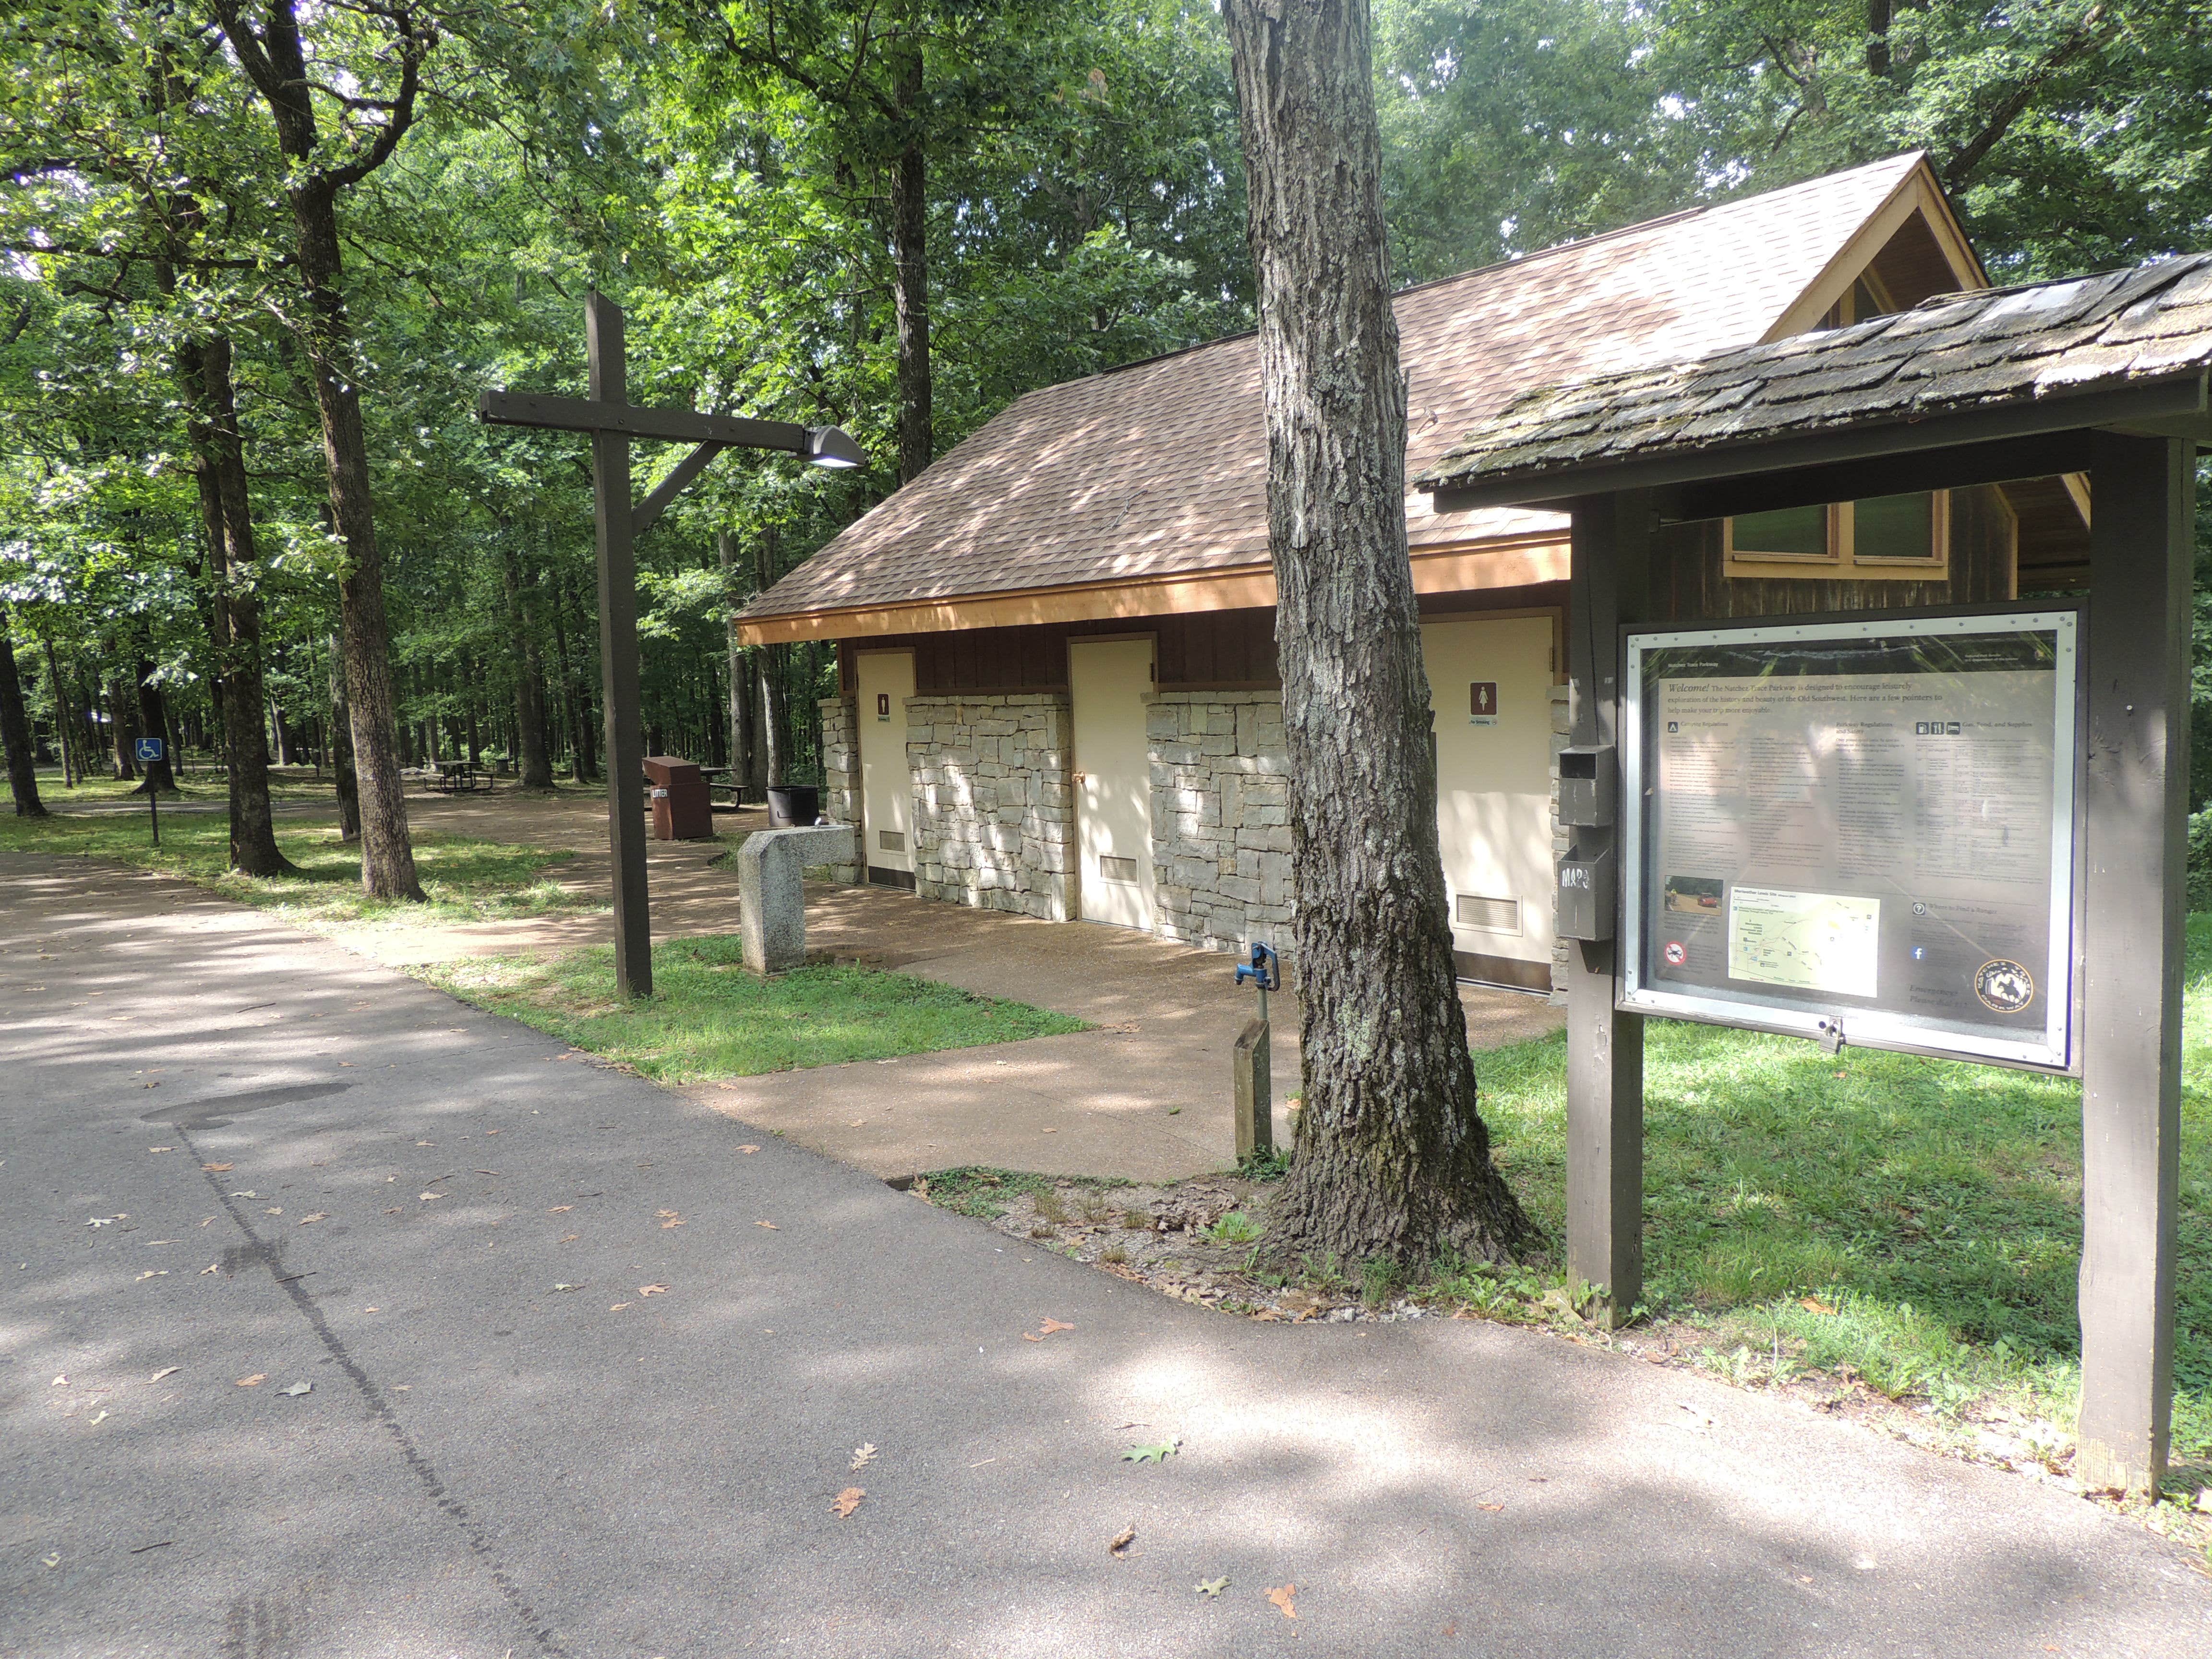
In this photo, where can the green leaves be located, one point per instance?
(1159, 1454)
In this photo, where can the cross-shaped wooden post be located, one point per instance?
(612, 420)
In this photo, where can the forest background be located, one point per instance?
(894, 218)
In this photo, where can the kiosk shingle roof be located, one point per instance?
(2004, 345)
(1160, 469)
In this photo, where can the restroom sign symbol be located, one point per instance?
(1482, 702)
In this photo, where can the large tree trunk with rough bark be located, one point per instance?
(154, 722)
(15, 733)
(917, 438)
(226, 516)
(1391, 1158)
(741, 721)
(348, 785)
(533, 765)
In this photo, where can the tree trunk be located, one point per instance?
(226, 514)
(1877, 50)
(122, 724)
(15, 733)
(534, 766)
(349, 787)
(910, 285)
(154, 720)
(741, 721)
(1392, 1158)
(72, 761)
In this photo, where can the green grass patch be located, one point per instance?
(710, 1017)
(1915, 1222)
(464, 880)
(973, 1189)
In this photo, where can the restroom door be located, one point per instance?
(1490, 679)
(1110, 684)
(886, 680)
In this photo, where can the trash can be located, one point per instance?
(793, 805)
(682, 809)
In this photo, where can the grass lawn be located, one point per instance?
(710, 1017)
(1916, 1221)
(465, 879)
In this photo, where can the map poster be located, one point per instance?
(1868, 824)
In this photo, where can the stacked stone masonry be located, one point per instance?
(841, 773)
(993, 811)
(1221, 818)
(994, 808)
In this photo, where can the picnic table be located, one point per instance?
(718, 778)
(456, 777)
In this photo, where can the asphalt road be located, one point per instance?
(490, 1464)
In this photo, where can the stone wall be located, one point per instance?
(1221, 835)
(841, 773)
(994, 809)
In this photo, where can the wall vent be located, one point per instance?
(1113, 869)
(1489, 916)
(891, 841)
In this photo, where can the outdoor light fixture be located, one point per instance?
(832, 446)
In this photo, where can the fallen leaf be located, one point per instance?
(672, 1221)
(1211, 1587)
(426, 1143)
(1028, 1336)
(567, 1238)
(749, 1149)
(426, 1197)
(1122, 1539)
(1813, 1304)
(153, 1273)
(217, 1169)
(212, 1266)
(395, 1210)
(319, 1215)
(167, 1370)
(161, 1149)
(53, 1560)
(1160, 1453)
(864, 1455)
(770, 1225)
(1281, 1597)
(848, 1501)
(97, 1416)
(254, 1381)
(297, 1390)
(652, 1290)
(1492, 1507)
(619, 1306)
(275, 1209)
(561, 1209)
(1052, 1325)
(567, 1287)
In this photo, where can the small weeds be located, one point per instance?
(1235, 1228)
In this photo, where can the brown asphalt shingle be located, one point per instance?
(1160, 468)
(2006, 345)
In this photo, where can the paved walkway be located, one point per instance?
(490, 1462)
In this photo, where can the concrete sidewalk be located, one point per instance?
(513, 1446)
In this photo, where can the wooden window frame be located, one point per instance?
(1842, 561)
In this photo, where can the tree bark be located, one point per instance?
(274, 60)
(227, 515)
(917, 438)
(1877, 50)
(120, 726)
(154, 721)
(1392, 1158)
(534, 765)
(741, 721)
(15, 733)
(72, 761)
(348, 785)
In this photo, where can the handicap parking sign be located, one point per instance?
(149, 749)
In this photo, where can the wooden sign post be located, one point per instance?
(610, 419)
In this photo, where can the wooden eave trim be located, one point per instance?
(1455, 567)
(1916, 192)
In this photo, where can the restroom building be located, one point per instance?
(1057, 693)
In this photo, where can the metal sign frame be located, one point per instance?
(1864, 1027)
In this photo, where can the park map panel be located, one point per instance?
(1867, 823)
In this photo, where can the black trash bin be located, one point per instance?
(793, 805)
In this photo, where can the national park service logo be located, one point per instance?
(2004, 987)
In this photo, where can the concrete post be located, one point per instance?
(1604, 1048)
(1255, 1108)
(772, 890)
(2135, 828)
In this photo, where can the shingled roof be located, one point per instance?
(1159, 470)
(2043, 341)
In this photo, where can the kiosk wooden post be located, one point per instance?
(1605, 1046)
(2135, 827)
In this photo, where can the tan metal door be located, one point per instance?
(886, 680)
(1110, 684)
(1490, 681)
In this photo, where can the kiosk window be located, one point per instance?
(1878, 538)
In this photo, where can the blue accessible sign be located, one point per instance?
(149, 749)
